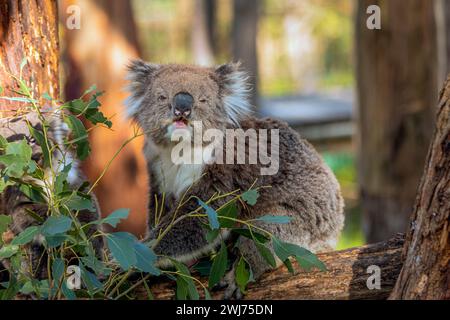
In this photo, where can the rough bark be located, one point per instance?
(346, 277)
(397, 93)
(98, 53)
(29, 29)
(243, 38)
(426, 274)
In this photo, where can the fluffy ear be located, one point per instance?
(235, 90)
(139, 75)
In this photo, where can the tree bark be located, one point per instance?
(346, 277)
(29, 29)
(397, 90)
(243, 38)
(426, 274)
(98, 53)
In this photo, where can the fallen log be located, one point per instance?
(346, 277)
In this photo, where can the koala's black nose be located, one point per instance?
(182, 104)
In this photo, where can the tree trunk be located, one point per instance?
(346, 277)
(98, 53)
(200, 35)
(426, 274)
(243, 38)
(29, 29)
(397, 90)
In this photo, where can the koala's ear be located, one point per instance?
(235, 88)
(139, 75)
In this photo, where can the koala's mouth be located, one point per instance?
(180, 123)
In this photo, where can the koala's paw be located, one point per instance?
(231, 291)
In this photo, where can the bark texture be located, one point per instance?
(98, 53)
(397, 93)
(29, 29)
(346, 277)
(426, 274)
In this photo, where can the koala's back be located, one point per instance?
(303, 188)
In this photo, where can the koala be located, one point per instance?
(167, 98)
(16, 204)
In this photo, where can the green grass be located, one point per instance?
(343, 166)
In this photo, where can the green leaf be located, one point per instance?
(90, 280)
(182, 288)
(242, 274)
(305, 258)
(186, 282)
(203, 267)
(78, 201)
(274, 219)
(17, 159)
(115, 217)
(121, 245)
(8, 251)
(55, 225)
(95, 264)
(69, 294)
(266, 254)
(219, 266)
(145, 259)
(207, 294)
(3, 142)
(5, 221)
(250, 196)
(246, 233)
(19, 148)
(230, 211)
(12, 288)
(61, 179)
(40, 139)
(55, 240)
(58, 268)
(80, 136)
(212, 215)
(211, 235)
(25, 236)
(34, 193)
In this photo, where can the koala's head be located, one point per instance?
(168, 97)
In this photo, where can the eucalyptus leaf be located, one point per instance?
(242, 274)
(115, 217)
(250, 196)
(121, 245)
(25, 236)
(55, 225)
(212, 215)
(145, 259)
(219, 266)
(274, 219)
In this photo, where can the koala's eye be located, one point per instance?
(202, 100)
(162, 98)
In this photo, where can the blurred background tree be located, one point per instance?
(307, 61)
(397, 93)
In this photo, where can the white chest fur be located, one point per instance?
(173, 179)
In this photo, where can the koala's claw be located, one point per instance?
(231, 291)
